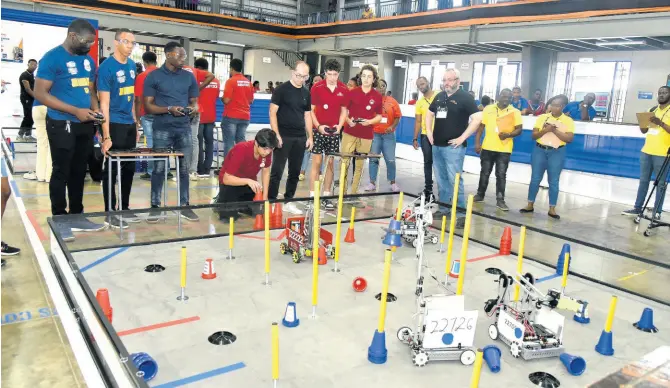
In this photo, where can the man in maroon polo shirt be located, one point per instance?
(237, 177)
(365, 110)
(329, 113)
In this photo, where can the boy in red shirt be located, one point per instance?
(384, 141)
(146, 120)
(204, 78)
(207, 102)
(237, 177)
(365, 111)
(238, 94)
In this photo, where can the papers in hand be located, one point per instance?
(644, 119)
(505, 123)
(550, 139)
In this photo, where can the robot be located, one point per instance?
(298, 241)
(410, 224)
(444, 329)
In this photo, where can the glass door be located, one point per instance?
(489, 79)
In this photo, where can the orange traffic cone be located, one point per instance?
(322, 256)
(260, 222)
(277, 217)
(102, 295)
(258, 196)
(350, 238)
(506, 241)
(208, 272)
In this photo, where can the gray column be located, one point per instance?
(216, 7)
(340, 6)
(188, 47)
(346, 70)
(536, 65)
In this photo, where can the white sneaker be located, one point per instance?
(292, 208)
(30, 176)
(204, 176)
(193, 176)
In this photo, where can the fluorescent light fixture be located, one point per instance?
(429, 49)
(622, 43)
(229, 43)
(372, 48)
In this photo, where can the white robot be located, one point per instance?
(410, 224)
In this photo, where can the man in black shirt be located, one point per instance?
(290, 118)
(27, 83)
(451, 110)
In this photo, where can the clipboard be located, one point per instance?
(506, 123)
(644, 119)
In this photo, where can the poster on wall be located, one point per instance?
(12, 42)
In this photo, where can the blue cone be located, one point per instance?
(646, 322)
(561, 259)
(574, 364)
(377, 352)
(393, 234)
(492, 356)
(145, 364)
(604, 345)
(290, 316)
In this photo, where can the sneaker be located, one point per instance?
(370, 187)
(146, 176)
(189, 215)
(4, 262)
(301, 177)
(460, 223)
(500, 204)
(9, 251)
(327, 204)
(292, 208)
(65, 231)
(657, 217)
(82, 224)
(193, 176)
(203, 176)
(631, 212)
(155, 214)
(478, 198)
(115, 222)
(395, 188)
(29, 138)
(30, 176)
(131, 217)
(19, 138)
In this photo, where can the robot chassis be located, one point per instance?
(298, 243)
(415, 339)
(410, 224)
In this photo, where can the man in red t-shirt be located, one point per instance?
(365, 110)
(207, 102)
(238, 94)
(238, 174)
(204, 78)
(146, 120)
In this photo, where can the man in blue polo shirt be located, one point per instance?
(582, 110)
(116, 88)
(168, 92)
(65, 83)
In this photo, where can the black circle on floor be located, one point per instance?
(222, 338)
(544, 379)
(389, 297)
(154, 268)
(494, 271)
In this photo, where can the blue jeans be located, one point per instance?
(180, 140)
(447, 162)
(234, 131)
(147, 122)
(549, 160)
(205, 148)
(650, 164)
(307, 158)
(384, 143)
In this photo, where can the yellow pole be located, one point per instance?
(477, 369)
(315, 247)
(275, 351)
(183, 267)
(385, 290)
(519, 262)
(452, 226)
(610, 314)
(443, 229)
(464, 248)
(267, 243)
(399, 210)
(231, 233)
(351, 220)
(566, 263)
(338, 230)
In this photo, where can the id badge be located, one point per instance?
(654, 132)
(384, 120)
(441, 114)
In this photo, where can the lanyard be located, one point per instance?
(667, 109)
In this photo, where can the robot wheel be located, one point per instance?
(515, 349)
(404, 334)
(468, 357)
(420, 358)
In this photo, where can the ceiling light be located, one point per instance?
(372, 48)
(430, 49)
(229, 43)
(622, 43)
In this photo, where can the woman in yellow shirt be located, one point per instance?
(552, 132)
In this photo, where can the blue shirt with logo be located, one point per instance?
(70, 76)
(521, 104)
(171, 88)
(572, 110)
(119, 80)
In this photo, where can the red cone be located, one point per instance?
(350, 238)
(322, 256)
(208, 272)
(102, 295)
(506, 241)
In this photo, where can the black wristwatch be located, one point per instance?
(416, 139)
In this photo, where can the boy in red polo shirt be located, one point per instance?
(238, 94)
(329, 113)
(365, 110)
(207, 102)
(238, 174)
(204, 78)
(146, 120)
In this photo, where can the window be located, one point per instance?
(488, 79)
(219, 63)
(141, 48)
(432, 73)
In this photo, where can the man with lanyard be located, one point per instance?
(27, 84)
(654, 152)
(451, 110)
(146, 120)
(329, 113)
(427, 96)
(582, 111)
(497, 147)
(384, 141)
(207, 101)
(65, 84)
(171, 95)
(518, 102)
(203, 77)
(237, 177)
(116, 84)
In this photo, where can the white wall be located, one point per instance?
(274, 71)
(649, 71)
(466, 75)
(363, 60)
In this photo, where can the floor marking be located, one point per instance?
(376, 222)
(483, 257)
(549, 277)
(202, 376)
(40, 233)
(279, 237)
(158, 326)
(103, 259)
(632, 275)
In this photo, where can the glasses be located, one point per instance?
(303, 76)
(179, 56)
(83, 40)
(127, 42)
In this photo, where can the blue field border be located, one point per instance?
(103, 259)
(544, 279)
(202, 376)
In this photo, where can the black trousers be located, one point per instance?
(293, 150)
(27, 122)
(427, 151)
(124, 137)
(70, 144)
(230, 194)
(501, 161)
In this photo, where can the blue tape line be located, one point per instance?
(15, 189)
(103, 259)
(554, 276)
(202, 376)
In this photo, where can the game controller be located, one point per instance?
(358, 121)
(187, 111)
(99, 117)
(330, 130)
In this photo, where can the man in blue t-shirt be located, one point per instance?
(116, 89)
(582, 111)
(65, 83)
(519, 102)
(171, 95)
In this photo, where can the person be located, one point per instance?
(420, 138)
(167, 92)
(486, 101)
(582, 111)
(316, 79)
(27, 96)
(257, 87)
(116, 89)
(203, 78)
(43, 166)
(352, 83)
(207, 101)
(271, 88)
(536, 106)
(238, 95)
(415, 97)
(329, 111)
(365, 111)
(474, 96)
(368, 13)
(497, 147)
(384, 141)
(654, 152)
(291, 119)
(149, 60)
(237, 177)
(7, 250)
(450, 111)
(552, 132)
(65, 84)
(519, 102)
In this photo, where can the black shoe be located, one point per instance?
(170, 175)
(146, 176)
(189, 215)
(155, 214)
(115, 222)
(9, 251)
(131, 217)
(460, 223)
(500, 204)
(327, 204)
(478, 198)
(524, 210)
(3, 262)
